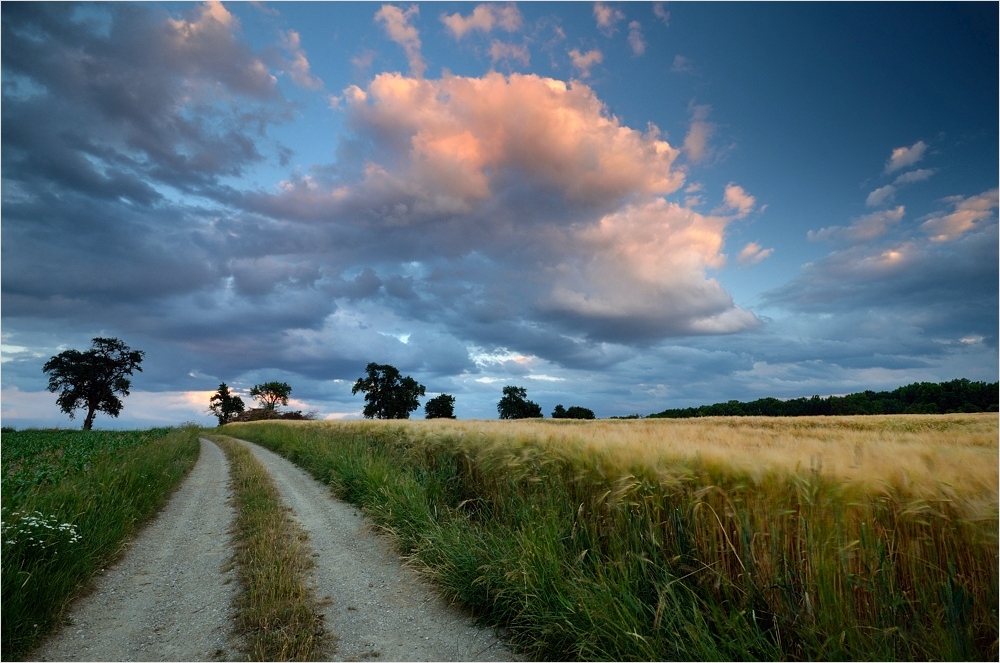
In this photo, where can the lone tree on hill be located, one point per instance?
(270, 394)
(387, 394)
(515, 404)
(91, 379)
(440, 407)
(225, 405)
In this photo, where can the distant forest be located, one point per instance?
(917, 398)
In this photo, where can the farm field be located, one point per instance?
(734, 538)
(70, 500)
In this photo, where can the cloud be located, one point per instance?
(880, 196)
(903, 157)
(661, 13)
(501, 51)
(968, 214)
(736, 198)
(681, 65)
(607, 18)
(635, 39)
(531, 185)
(484, 18)
(912, 176)
(862, 229)
(753, 253)
(399, 29)
(299, 64)
(584, 61)
(696, 141)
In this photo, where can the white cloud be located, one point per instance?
(584, 61)
(863, 228)
(682, 65)
(660, 12)
(299, 64)
(736, 198)
(912, 176)
(635, 39)
(752, 254)
(903, 157)
(880, 196)
(484, 18)
(696, 142)
(397, 26)
(501, 51)
(607, 18)
(969, 213)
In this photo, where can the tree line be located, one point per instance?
(918, 398)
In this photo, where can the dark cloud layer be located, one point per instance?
(470, 230)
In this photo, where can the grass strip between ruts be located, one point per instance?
(276, 612)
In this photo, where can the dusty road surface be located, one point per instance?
(169, 598)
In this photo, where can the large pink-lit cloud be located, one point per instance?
(536, 172)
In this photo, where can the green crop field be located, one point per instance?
(70, 499)
(830, 538)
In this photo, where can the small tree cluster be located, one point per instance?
(515, 404)
(440, 407)
(388, 395)
(574, 412)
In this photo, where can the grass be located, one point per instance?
(276, 612)
(70, 500)
(815, 538)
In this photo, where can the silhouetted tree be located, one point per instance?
(91, 379)
(225, 405)
(515, 404)
(387, 394)
(440, 407)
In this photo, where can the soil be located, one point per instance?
(169, 597)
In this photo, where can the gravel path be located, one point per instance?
(379, 609)
(169, 597)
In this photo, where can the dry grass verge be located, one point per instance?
(276, 611)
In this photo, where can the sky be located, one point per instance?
(621, 206)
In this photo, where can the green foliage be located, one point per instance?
(574, 412)
(917, 398)
(270, 394)
(387, 394)
(515, 404)
(70, 499)
(226, 406)
(679, 562)
(440, 407)
(92, 379)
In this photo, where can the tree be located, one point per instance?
(270, 394)
(440, 407)
(514, 404)
(387, 394)
(91, 379)
(225, 405)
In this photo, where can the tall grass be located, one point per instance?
(712, 539)
(277, 613)
(70, 500)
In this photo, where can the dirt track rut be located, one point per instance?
(169, 597)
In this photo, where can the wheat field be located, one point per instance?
(869, 537)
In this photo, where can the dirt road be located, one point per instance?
(169, 598)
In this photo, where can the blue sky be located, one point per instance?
(622, 206)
